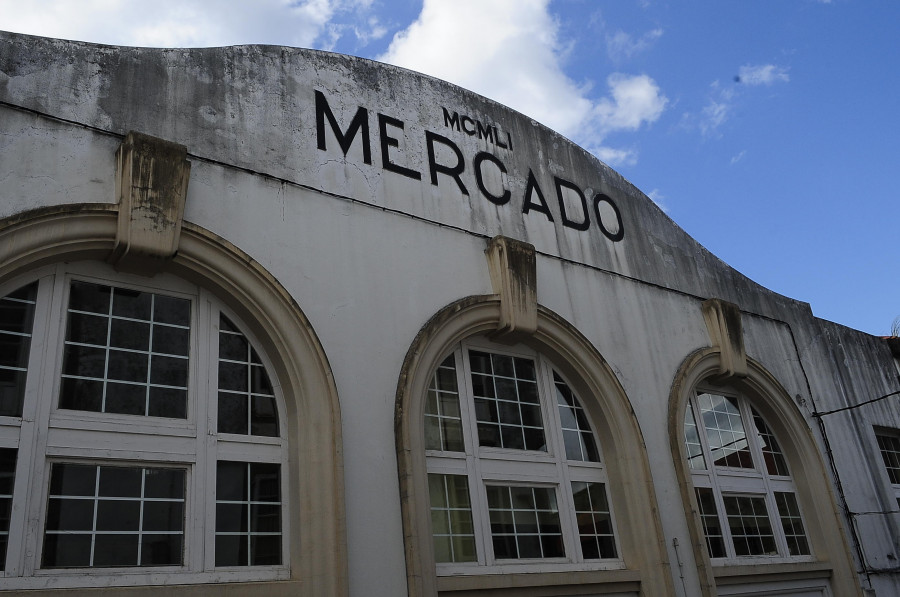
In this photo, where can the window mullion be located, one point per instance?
(557, 448)
(203, 481)
(477, 497)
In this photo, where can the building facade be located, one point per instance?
(284, 322)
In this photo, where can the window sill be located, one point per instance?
(753, 573)
(543, 583)
(283, 588)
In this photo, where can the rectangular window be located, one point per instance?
(108, 516)
(751, 529)
(594, 521)
(7, 477)
(524, 522)
(507, 407)
(443, 423)
(890, 454)
(451, 518)
(792, 523)
(16, 320)
(126, 352)
(709, 516)
(248, 514)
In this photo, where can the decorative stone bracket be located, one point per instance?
(513, 270)
(151, 186)
(726, 333)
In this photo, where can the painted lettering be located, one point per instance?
(451, 121)
(360, 122)
(532, 188)
(434, 168)
(613, 230)
(387, 142)
(568, 223)
(480, 159)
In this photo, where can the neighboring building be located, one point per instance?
(284, 322)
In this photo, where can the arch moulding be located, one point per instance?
(826, 534)
(631, 488)
(318, 545)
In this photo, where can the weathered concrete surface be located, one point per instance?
(253, 107)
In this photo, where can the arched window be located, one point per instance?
(756, 492)
(514, 470)
(141, 435)
(746, 497)
(522, 466)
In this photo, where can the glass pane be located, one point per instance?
(772, 454)
(525, 538)
(443, 423)
(792, 523)
(577, 434)
(692, 446)
(712, 528)
(451, 518)
(246, 400)
(594, 520)
(724, 430)
(233, 414)
(499, 396)
(248, 518)
(751, 529)
(106, 511)
(112, 336)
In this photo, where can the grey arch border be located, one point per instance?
(631, 487)
(318, 558)
(827, 535)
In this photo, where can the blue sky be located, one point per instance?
(768, 130)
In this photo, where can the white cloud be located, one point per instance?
(738, 157)
(614, 157)
(657, 198)
(766, 74)
(178, 23)
(518, 61)
(622, 46)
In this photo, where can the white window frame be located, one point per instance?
(895, 435)
(498, 466)
(46, 434)
(742, 482)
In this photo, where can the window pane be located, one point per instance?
(712, 528)
(724, 430)
(692, 440)
(248, 514)
(443, 424)
(98, 516)
(451, 518)
(246, 400)
(112, 361)
(7, 477)
(594, 521)
(515, 531)
(577, 434)
(499, 395)
(772, 454)
(792, 523)
(751, 529)
(16, 321)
